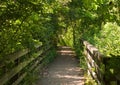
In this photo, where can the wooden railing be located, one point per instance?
(22, 59)
(94, 62)
(98, 65)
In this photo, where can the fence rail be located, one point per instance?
(99, 66)
(94, 60)
(34, 58)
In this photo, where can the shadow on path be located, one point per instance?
(64, 70)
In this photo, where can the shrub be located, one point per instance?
(108, 39)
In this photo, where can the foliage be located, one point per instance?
(24, 23)
(97, 24)
(108, 40)
(27, 22)
(66, 38)
(97, 21)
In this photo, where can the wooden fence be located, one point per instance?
(98, 66)
(94, 62)
(21, 60)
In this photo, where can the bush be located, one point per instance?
(108, 39)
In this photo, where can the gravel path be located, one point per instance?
(64, 70)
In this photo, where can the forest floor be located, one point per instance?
(64, 70)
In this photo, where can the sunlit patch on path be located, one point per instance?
(64, 70)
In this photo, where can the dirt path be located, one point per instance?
(64, 70)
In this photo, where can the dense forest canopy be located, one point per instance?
(24, 23)
(98, 22)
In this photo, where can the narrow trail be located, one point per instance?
(64, 70)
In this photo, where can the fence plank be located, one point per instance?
(20, 79)
(12, 57)
(94, 60)
(31, 68)
(15, 70)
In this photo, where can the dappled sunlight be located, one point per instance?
(66, 76)
(66, 51)
(64, 48)
(63, 51)
(64, 70)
